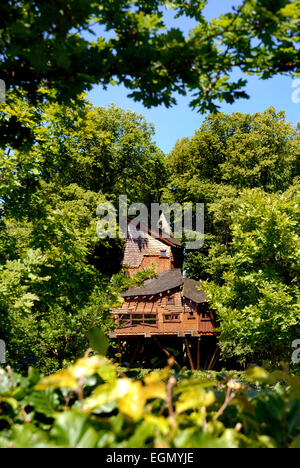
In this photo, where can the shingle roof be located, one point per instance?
(167, 280)
(191, 292)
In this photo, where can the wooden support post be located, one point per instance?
(198, 352)
(146, 355)
(206, 363)
(189, 354)
(213, 359)
(163, 349)
(135, 352)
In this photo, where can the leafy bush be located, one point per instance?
(94, 403)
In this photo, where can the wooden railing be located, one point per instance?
(132, 320)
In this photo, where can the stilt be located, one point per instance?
(213, 359)
(189, 354)
(135, 352)
(163, 349)
(206, 364)
(146, 355)
(198, 352)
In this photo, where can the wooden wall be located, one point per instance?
(168, 314)
(141, 253)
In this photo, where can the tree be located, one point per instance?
(109, 151)
(51, 42)
(50, 295)
(257, 298)
(227, 154)
(51, 290)
(115, 153)
(241, 150)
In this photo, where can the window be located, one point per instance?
(191, 316)
(163, 253)
(172, 318)
(170, 300)
(205, 315)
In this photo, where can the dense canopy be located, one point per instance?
(71, 45)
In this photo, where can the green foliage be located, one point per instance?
(115, 153)
(239, 150)
(61, 43)
(244, 168)
(227, 154)
(94, 404)
(257, 297)
(55, 273)
(60, 157)
(98, 341)
(103, 151)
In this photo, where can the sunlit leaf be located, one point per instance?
(194, 399)
(62, 379)
(132, 404)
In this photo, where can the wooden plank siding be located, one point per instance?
(142, 253)
(168, 310)
(163, 315)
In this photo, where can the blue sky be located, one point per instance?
(180, 121)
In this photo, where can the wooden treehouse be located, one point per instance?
(168, 314)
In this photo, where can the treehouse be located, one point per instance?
(168, 314)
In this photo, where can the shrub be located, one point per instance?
(94, 403)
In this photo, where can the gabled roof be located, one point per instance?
(164, 237)
(169, 279)
(191, 292)
(161, 235)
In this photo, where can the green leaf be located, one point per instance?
(45, 402)
(73, 430)
(28, 436)
(98, 340)
(107, 393)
